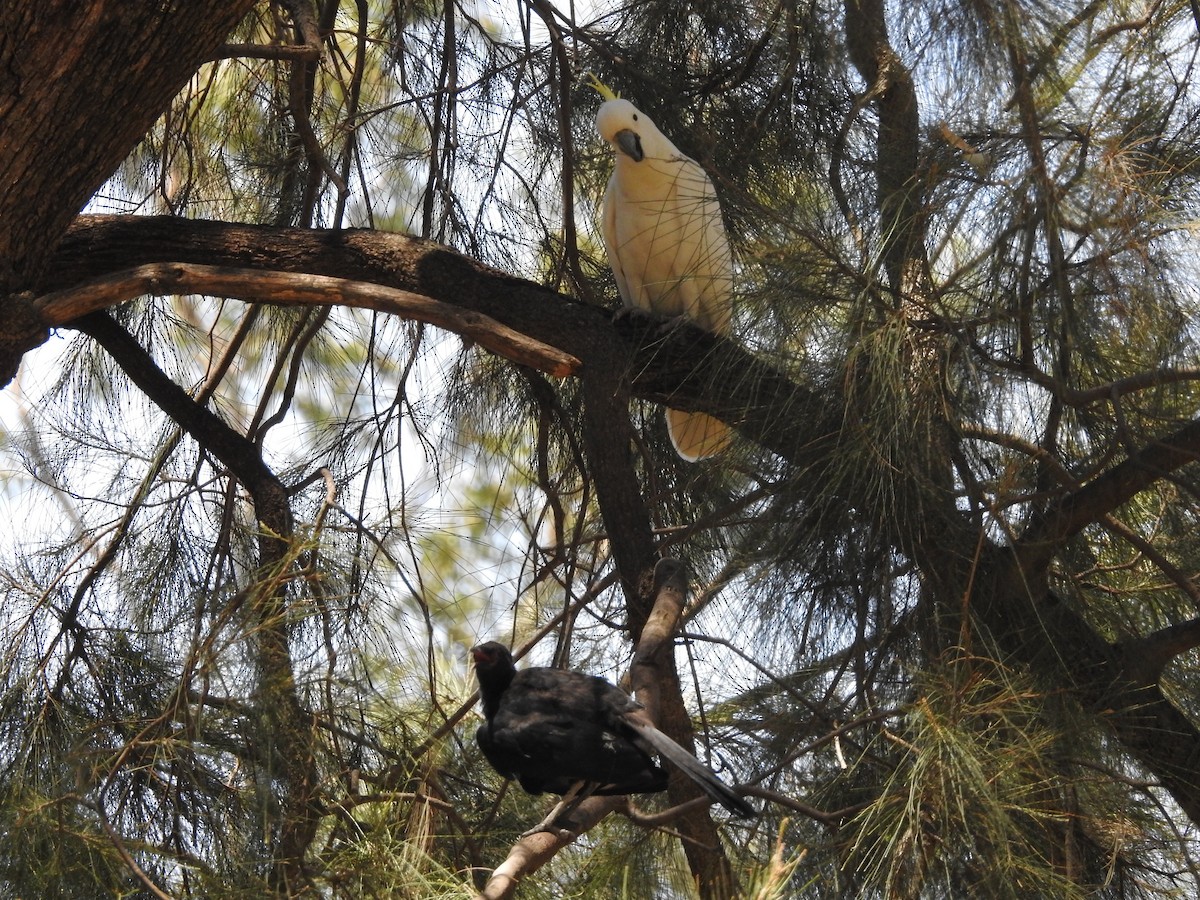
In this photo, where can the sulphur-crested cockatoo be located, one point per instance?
(666, 244)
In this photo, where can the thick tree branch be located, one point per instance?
(533, 851)
(80, 88)
(289, 289)
(890, 86)
(689, 367)
(655, 680)
(1145, 657)
(657, 641)
(607, 437)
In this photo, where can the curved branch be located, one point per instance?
(296, 289)
(1108, 391)
(667, 816)
(670, 595)
(533, 851)
(291, 730)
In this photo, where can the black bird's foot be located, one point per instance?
(557, 823)
(563, 834)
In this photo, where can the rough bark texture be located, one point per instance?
(80, 85)
(656, 684)
(79, 88)
(687, 367)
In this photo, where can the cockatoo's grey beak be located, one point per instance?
(630, 144)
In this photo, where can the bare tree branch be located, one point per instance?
(293, 752)
(290, 289)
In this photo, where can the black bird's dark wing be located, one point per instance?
(550, 731)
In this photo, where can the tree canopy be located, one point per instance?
(315, 378)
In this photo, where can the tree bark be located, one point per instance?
(80, 85)
(655, 680)
(890, 87)
(688, 367)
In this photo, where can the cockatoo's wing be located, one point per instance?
(666, 243)
(608, 232)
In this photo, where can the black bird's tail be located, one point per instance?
(693, 769)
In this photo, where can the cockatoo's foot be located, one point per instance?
(658, 326)
(635, 314)
(666, 326)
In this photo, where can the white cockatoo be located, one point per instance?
(666, 244)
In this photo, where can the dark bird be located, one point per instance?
(567, 733)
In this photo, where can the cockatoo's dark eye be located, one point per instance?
(635, 117)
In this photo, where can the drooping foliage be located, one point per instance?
(944, 609)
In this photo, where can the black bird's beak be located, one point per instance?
(630, 144)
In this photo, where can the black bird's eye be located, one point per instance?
(635, 117)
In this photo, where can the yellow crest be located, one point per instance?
(599, 86)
